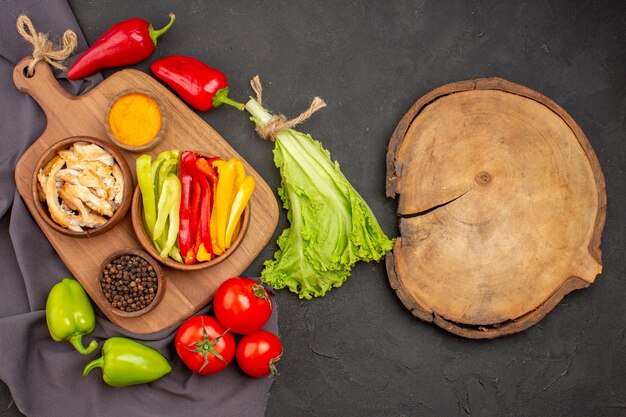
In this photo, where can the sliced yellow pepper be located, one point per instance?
(239, 204)
(223, 200)
(202, 254)
(217, 250)
(240, 175)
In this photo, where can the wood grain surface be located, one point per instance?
(501, 203)
(68, 115)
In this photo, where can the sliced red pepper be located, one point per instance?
(206, 167)
(196, 199)
(204, 248)
(185, 236)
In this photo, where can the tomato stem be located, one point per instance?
(272, 365)
(205, 346)
(259, 292)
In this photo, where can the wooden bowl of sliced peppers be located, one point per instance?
(190, 210)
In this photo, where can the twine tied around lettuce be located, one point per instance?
(43, 48)
(280, 122)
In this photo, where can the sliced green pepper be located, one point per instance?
(171, 191)
(69, 314)
(146, 185)
(167, 199)
(168, 164)
(175, 252)
(125, 362)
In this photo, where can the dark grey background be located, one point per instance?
(357, 351)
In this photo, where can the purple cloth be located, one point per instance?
(45, 377)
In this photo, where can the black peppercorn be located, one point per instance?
(129, 283)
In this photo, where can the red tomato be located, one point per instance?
(242, 305)
(258, 353)
(204, 345)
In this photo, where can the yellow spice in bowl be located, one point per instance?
(135, 119)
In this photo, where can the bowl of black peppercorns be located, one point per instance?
(131, 283)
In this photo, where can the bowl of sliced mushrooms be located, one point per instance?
(82, 186)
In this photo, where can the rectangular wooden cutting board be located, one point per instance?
(68, 115)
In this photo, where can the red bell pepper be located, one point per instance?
(186, 237)
(125, 43)
(201, 86)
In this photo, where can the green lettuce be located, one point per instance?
(331, 226)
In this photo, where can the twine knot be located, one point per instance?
(280, 122)
(43, 49)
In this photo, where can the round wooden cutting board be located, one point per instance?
(501, 203)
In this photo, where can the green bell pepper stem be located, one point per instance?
(145, 182)
(96, 363)
(77, 341)
(69, 315)
(126, 362)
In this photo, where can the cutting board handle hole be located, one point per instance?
(26, 74)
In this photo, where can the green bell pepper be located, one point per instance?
(125, 362)
(69, 314)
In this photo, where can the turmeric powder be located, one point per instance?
(135, 119)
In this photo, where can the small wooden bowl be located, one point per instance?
(146, 242)
(157, 138)
(161, 281)
(42, 210)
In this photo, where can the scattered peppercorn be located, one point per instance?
(129, 283)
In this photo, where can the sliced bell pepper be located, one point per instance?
(205, 167)
(170, 194)
(185, 237)
(175, 252)
(196, 200)
(144, 179)
(217, 249)
(223, 200)
(172, 182)
(239, 204)
(165, 169)
(203, 234)
(240, 175)
(218, 163)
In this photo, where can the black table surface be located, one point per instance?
(357, 351)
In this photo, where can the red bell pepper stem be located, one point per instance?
(125, 43)
(221, 97)
(185, 238)
(155, 33)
